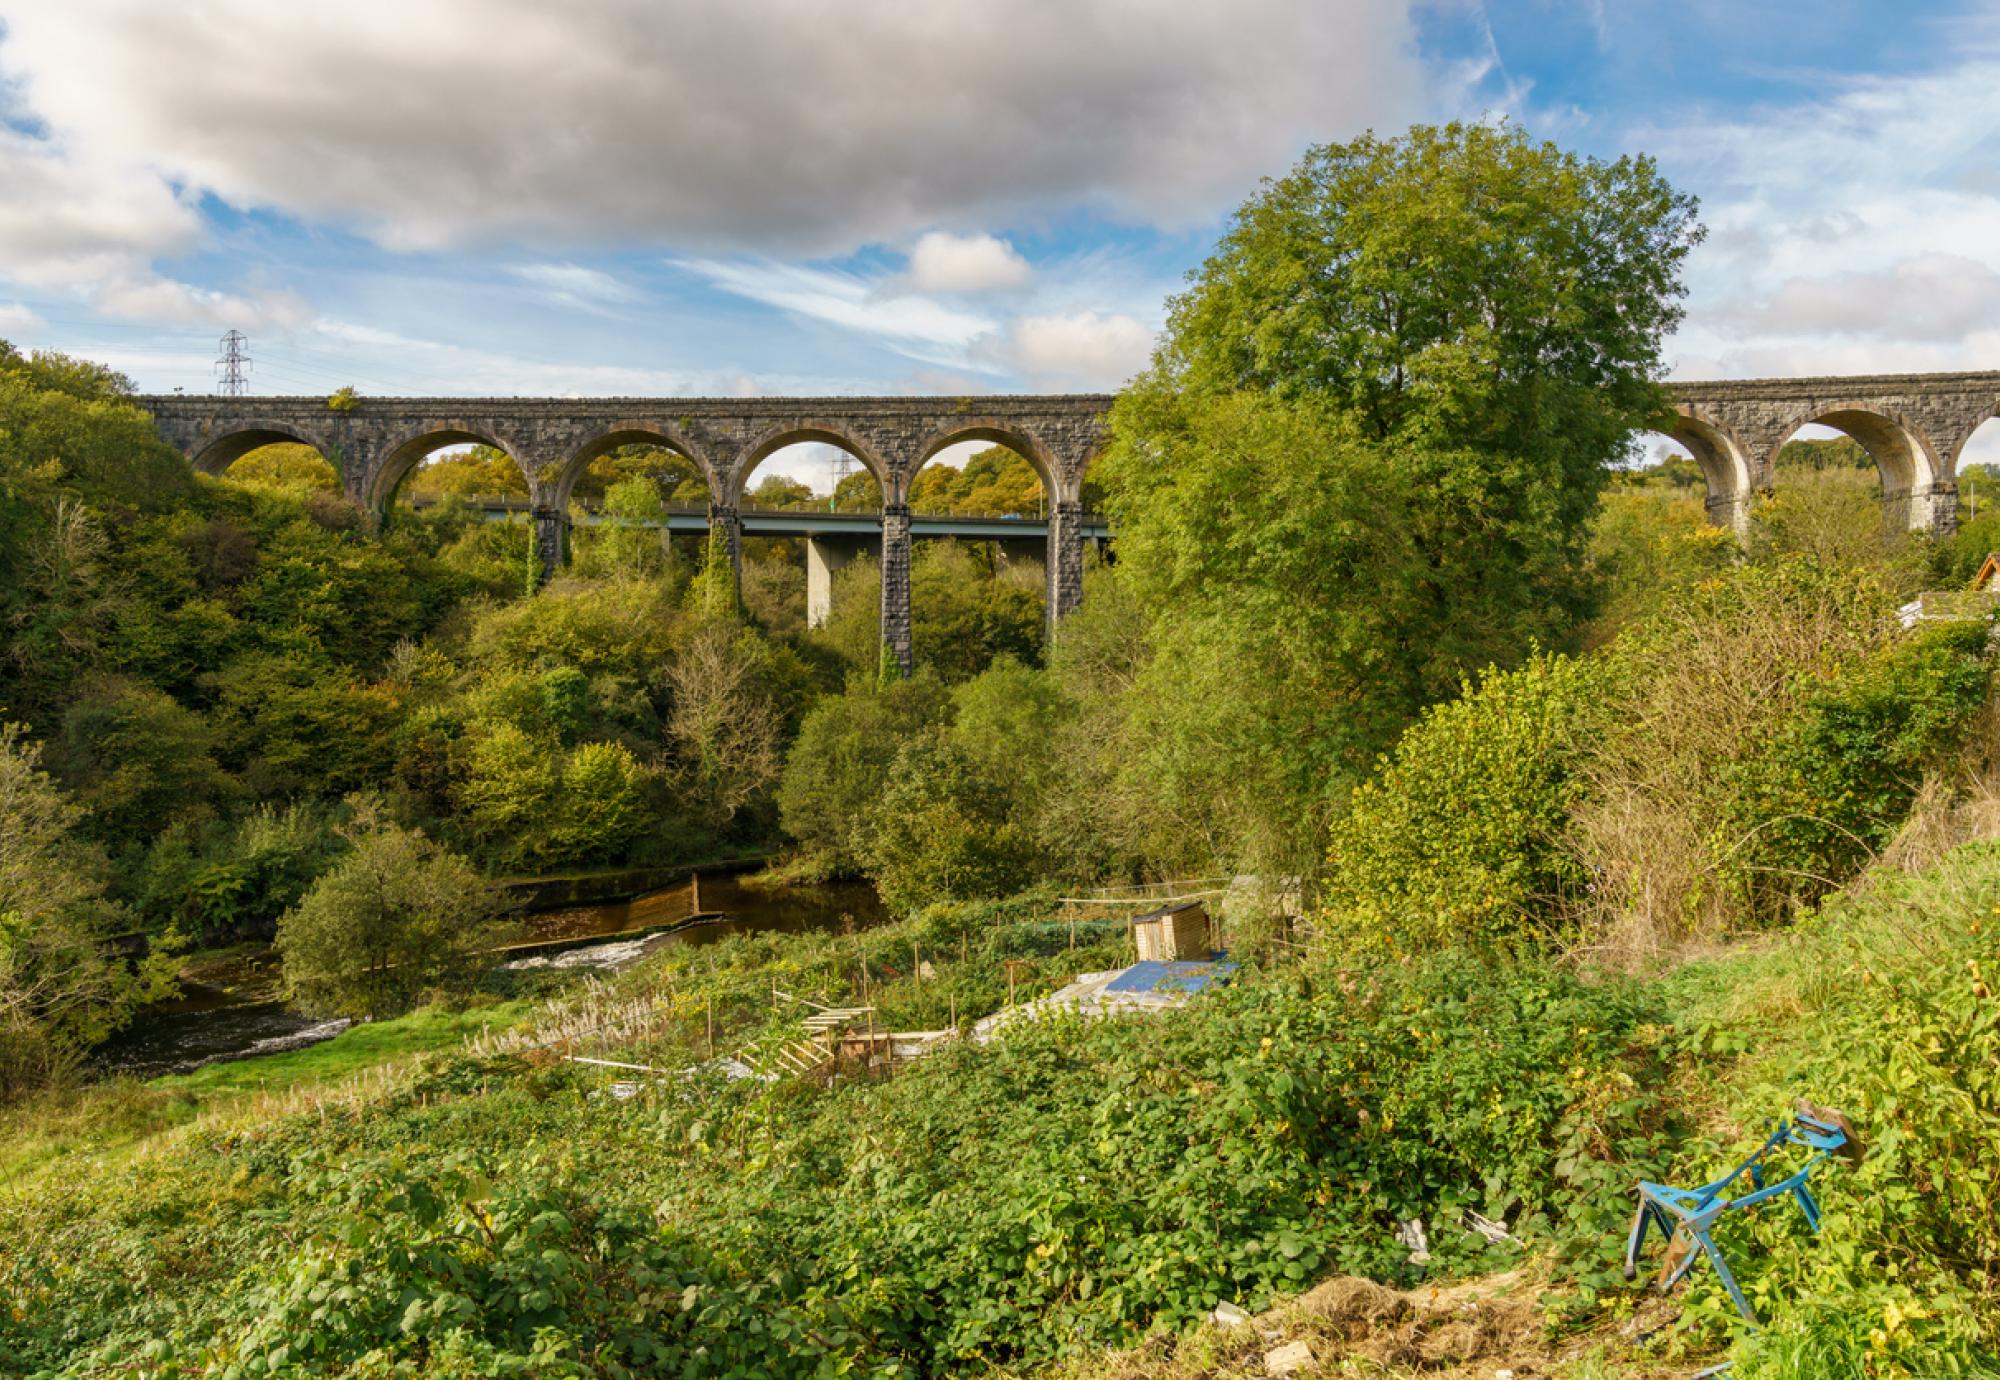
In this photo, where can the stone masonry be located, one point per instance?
(377, 442)
(1914, 425)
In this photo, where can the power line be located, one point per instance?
(233, 364)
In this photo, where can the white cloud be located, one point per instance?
(97, 223)
(1853, 234)
(916, 325)
(574, 285)
(1081, 350)
(1930, 298)
(148, 297)
(15, 317)
(779, 125)
(944, 262)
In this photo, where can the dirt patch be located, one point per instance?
(1356, 1327)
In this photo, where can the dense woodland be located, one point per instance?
(1603, 838)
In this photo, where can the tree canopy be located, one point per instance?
(1365, 458)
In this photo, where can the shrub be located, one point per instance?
(1833, 784)
(396, 918)
(1462, 834)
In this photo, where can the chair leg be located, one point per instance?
(1728, 1280)
(1640, 1216)
(1807, 1205)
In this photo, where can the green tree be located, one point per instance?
(60, 990)
(995, 480)
(285, 468)
(835, 770)
(1365, 459)
(781, 491)
(964, 613)
(942, 829)
(396, 919)
(136, 760)
(726, 728)
(479, 471)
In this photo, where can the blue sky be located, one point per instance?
(643, 196)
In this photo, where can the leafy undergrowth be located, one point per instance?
(1082, 1189)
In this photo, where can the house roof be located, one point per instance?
(1164, 911)
(1984, 579)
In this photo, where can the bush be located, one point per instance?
(942, 829)
(1829, 790)
(395, 919)
(1462, 834)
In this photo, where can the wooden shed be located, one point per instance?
(1173, 933)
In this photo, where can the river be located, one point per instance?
(229, 1007)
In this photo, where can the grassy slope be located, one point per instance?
(57, 1137)
(935, 1209)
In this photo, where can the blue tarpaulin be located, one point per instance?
(1158, 975)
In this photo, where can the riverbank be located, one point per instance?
(231, 1004)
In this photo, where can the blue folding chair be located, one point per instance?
(1685, 1216)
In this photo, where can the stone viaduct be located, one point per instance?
(1914, 426)
(375, 443)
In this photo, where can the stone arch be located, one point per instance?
(215, 454)
(1956, 455)
(776, 438)
(1724, 462)
(1057, 484)
(402, 456)
(1906, 463)
(614, 434)
(1726, 466)
(1903, 455)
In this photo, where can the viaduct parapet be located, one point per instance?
(1914, 425)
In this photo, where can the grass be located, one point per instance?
(77, 1130)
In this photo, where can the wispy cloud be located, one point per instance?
(576, 286)
(911, 324)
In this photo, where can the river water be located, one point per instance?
(229, 1006)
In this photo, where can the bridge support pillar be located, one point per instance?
(725, 531)
(551, 543)
(1934, 508)
(896, 587)
(1065, 560)
(824, 557)
(1733, 512)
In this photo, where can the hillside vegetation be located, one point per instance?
(1584, 843)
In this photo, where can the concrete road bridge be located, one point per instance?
(832, 538)
(1915, 426)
